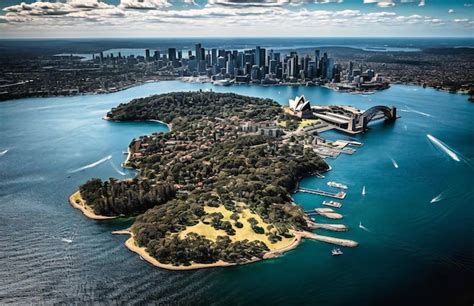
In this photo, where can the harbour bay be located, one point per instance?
(48, 138)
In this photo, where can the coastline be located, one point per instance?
(142, 252)
(131, 244)
(92, 93)
(86, 211)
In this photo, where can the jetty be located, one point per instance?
(339, 195)
(328, 213)
(332, 240)
(329, 227)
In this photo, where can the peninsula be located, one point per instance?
(214, 191)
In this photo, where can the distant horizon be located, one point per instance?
(236, 37)
(235, 18)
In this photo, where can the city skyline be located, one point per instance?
(235, 18)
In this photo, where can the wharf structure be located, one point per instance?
(350, 119)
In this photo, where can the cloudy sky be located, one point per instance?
(235, 18)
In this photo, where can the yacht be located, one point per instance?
(332, 204)
(336, 252)
(337, 185)
(224, 82)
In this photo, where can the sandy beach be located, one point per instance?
(132, 246)
(86, 210)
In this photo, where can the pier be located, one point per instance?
(340, 195)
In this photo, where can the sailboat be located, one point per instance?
(363, 190)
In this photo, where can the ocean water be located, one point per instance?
(411, 251)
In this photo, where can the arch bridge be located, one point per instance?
(378, 112)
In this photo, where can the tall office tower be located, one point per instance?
(156, 55)
(262, 57)
(120, 55)
(292, 67)
(198, 52)
(351, 67)
(101, 57)
(208, 59)
(221, 62)
(249, 58)
(316, 57)
(180, 54)
(306, 65)
(235, 57)
(257, 56)
(147, 55)
(254, 73)
(213, 56)
(330, 69)
(190, 53)
(276, 56)
(272, 67)
(248, 68)
(311, 69)
(203, 54)
(172, 54)
(240, 60)
(230, 66)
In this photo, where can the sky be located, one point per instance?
(236, 18)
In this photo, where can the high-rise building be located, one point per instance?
(198, 52)
(272, 67)
(172, 54)
(147, 55)
(213, 56)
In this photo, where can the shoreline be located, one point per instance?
(131, 244)
(86, 211)
(94, 93)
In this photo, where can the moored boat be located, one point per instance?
(332, 204)
(336, 185)
(336, 252)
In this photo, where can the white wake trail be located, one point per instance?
(3, 152)
(363, 227)
(117, 169)
(411, 110)
(443, 147)
(438, 198)
(94, 164)
(394, 163)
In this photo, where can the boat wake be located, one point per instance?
(447, 150)
(94, 164)
(363, 227)
(363, 191)
(117, 169)
(411, 110)
(394, 163)
(438, 198)
(66, 240)
(3, 152)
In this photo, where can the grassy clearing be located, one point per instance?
(246, 232)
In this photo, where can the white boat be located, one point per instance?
(336, 185)
(336, 252)
(222, 82)
(332, 204)
(363, 191)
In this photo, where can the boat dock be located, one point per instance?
(340, 195)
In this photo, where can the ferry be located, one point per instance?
(336, 252)
(332, 204)
(222, 82)
(337, 185)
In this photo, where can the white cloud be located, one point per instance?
(144, 4)
(389, 3)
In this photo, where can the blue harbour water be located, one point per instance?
(411, 251)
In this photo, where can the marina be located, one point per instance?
(332, 204)
(338, 195)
